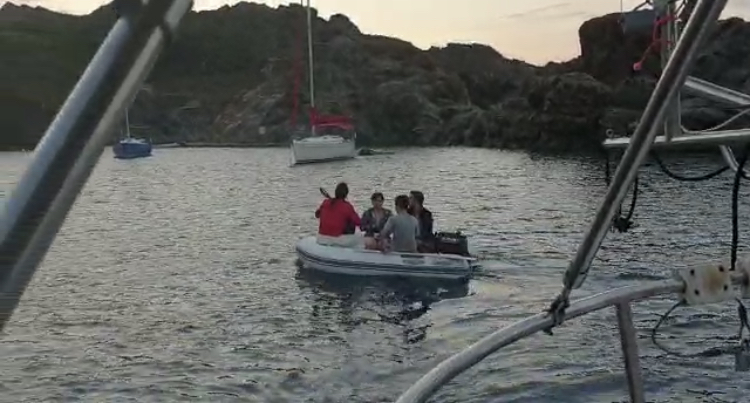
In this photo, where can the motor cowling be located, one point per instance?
(454, 243)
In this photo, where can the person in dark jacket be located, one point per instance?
(374, 218)
(424, 216)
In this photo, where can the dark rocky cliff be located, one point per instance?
(230, 75)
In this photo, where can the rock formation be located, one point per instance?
(229, 78)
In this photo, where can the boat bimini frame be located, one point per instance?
(696, 284)
(74, 141)
(65, 157)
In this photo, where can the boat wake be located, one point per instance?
(396, 301)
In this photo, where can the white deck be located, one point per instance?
(322, 148)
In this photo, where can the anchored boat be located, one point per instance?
(322, 149)
(130, 147)
(314, 147)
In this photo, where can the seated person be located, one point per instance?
(335, 216)
(374, 219)
(424, 217)
(402, 226)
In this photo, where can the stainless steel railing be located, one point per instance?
(73, 143)
(660, 107)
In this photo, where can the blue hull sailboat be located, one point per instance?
(129, 147)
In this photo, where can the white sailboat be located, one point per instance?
(322, 148)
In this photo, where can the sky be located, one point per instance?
(536, 31)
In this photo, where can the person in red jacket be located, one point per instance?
(338, 220)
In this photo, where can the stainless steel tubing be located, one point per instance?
(73, 143)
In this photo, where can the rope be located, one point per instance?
(655, 329)
(745, 111)
(741, 309)
(624, 223)
(744, 321)
(735, 203)
(683, 178)
(621, 223)
(656, 41)
(711, 352)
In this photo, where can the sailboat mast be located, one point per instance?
(127, 123)
(310, 54)
(310, 61)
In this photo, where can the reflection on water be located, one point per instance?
(357, 300)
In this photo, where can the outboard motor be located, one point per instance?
(454, 243)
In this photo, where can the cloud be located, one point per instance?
(539, 11)
(570, 15)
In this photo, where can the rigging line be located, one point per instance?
(738, 175)
(621, 223)
(745, 110)
(741, 309)
(744, 321)
(661, 321)
(711, 352)
(624, 223)
(697, 28)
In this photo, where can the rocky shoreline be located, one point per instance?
(222, 83)
(219, 145)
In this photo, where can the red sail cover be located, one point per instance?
(339, 121)
(316, 120)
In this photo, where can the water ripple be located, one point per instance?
(173, 279)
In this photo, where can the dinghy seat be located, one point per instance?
(350, 241)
